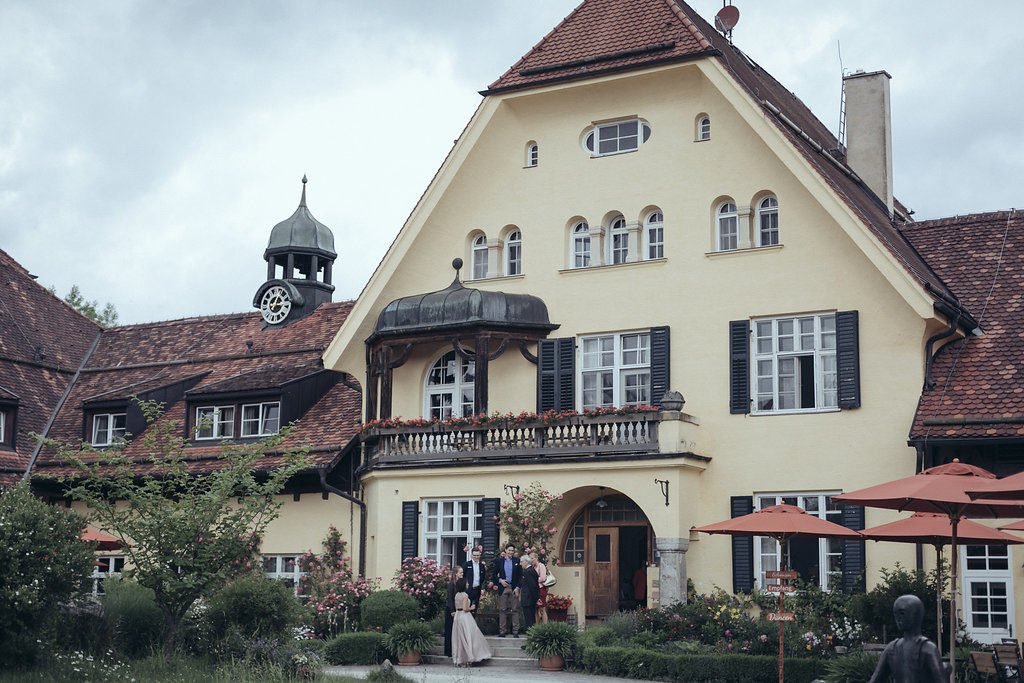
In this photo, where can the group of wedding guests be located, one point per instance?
(520, 582)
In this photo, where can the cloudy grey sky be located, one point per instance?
(147, 147)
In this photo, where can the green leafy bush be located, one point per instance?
(553, 638)
(44, 563)
(874, 608)
(600, 636)
(253, 605)
(625, 625)
(852, 668)
(409, 636)
(383, 609)
(361, 647)
(651, 665)
(135, 621)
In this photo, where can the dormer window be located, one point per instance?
(7, 427)
(215, 422)
(616, 138)
(261, 419)
(108, 429)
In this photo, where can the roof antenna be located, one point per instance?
(842, 101)
(302, 202)
(727, 18)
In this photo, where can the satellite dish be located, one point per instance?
(727, 18)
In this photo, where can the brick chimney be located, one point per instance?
(869, 131)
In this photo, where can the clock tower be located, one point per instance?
(299, 256)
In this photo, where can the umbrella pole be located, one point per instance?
(784, 554)
(953, 601)
(938, 597)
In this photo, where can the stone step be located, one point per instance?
(511, 649)
(522, 662)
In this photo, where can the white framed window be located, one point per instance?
(654, 232)
(618, 241)
(580, 253)
(479, 257)
(283, 568)
(448, 527)
(616, 138)
(107, 428)
(988, 592)
(818, 561)
(615, 370)
(768, 222)
(105, 567)
(215, 422)
(795, 363)
(727, 231)
(514, 253)
(703, 128)
(449, 391)
(3, 426)
(261, 419)
(532, 154)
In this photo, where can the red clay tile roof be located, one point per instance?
(980, 380)
(270, 376)
(644, 33)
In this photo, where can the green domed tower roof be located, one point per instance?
(301, 233)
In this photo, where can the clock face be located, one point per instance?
(275, 304)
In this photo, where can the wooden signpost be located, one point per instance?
(781, 616)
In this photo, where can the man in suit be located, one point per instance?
(507, 573)
(475, 573)
(529, 592)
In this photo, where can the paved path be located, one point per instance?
(439, 673)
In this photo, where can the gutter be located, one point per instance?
(362, 516)
(929, 356)
(57, 408)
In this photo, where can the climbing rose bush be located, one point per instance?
(528, 522)
(334, 592)
(427, 581)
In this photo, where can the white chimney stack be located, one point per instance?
(869, 131)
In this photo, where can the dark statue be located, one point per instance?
(912, 658)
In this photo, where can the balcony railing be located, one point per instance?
(578, 435)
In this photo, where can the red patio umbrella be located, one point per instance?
(937, 530)
(103, 541)
(781, 522)
(941, 489)
(1016, 526)
(1011, 487)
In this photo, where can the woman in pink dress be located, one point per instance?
(468, 643)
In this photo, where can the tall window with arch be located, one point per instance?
(703, 128)
(532, 154)
(479, 260)
(618, 241)
(728, 227)
(768, 221)
(449, 388)
(580, 245)
(514, 253)
(654, 229)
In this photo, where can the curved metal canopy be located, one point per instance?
(301, 232)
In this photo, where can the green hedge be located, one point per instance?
(361, 647)
(640, 664)
(381, 610)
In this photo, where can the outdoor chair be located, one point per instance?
(1008, 660)
(984, 663)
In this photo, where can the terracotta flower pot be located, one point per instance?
(552, 662)
(409, 659)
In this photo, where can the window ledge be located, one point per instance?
(497, 278)
(805, 411)
(737, 252)
(608, 266)
(611, 154)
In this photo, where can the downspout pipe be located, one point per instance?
(327, 488)
(929, 356)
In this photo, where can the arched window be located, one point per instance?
(703, 128)
(574, 550)
(654, 229)
(449, 389)
(728, 227)
(532, 154)
(514, 253)
(580, 245)
(768, 222)
(479, 268)
(618, 241)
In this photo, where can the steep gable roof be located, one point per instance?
(979, 391)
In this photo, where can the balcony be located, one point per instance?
(574, 436)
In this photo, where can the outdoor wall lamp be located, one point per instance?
(511, 490)
(664, 488)
(601, 503)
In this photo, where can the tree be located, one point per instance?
(528, 522)
(106, 316)
(185, 535)
(44, 563)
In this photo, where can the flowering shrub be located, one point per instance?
(502, 420)
(427, 581)
(559, 602)
(528, 522)
(334, 592)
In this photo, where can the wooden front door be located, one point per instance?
(602, 570)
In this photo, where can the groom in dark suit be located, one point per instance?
(476, 575)
(507, 573)
(529, 592)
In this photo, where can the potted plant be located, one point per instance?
(551, 644)
(408, 640)
(558, 607)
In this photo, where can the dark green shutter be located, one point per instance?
(410, 528)
(854, 561)
(556, 369)
(489, 509)
(742, 548)
(660, 382)
(848, 359)
(739, 367)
